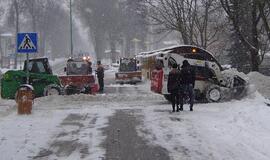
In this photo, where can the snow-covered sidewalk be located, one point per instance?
(70, 127)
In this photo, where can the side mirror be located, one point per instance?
(65, 69)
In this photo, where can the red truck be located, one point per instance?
(79, 78)
(128, 71)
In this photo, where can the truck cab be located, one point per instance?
(79, 78)
(128, 71)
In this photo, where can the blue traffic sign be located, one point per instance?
(27, 42)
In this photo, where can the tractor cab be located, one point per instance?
(78, 67)
(39, 65)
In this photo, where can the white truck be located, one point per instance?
(213, 83)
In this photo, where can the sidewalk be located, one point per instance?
(123, 142)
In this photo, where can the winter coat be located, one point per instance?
(100, 72)
(173, 81)
(187, 75)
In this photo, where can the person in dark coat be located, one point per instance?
(100, 76)
(187, 83)
(173, 86)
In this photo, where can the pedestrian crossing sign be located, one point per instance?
(27, 43)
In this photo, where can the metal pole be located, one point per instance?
(71, 36)
(27, 68)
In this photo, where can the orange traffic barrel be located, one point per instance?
(25, 99)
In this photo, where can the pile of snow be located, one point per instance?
(232, 71)
(261, 83)
(230, 130)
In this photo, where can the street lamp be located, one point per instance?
(71, 36)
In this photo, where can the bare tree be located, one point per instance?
(17, 7)
(264, 10)
(195, 20)
(93, 14)
(134, 26)
(246, 21)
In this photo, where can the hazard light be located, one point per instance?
(84, 58)
(194, 50)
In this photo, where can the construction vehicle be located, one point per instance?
(40, 77)
(213, 83)
(79, 78)
(128, 71)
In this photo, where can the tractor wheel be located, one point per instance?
(52, 90)
(213, 93)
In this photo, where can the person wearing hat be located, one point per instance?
(100, 76)
(173, 86)
(187, 82)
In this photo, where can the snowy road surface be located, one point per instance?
(130, 122)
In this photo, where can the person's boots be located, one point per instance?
(177, 109)
(181, 108)
(173, 107)
(191, 108)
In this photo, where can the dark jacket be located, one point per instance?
(187, 75)
(100, 72)
(173, 81)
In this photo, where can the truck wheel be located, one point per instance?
(213, 93)
(52, 90)
(70, 89)
(168, 97)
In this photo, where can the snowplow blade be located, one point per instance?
(239, 91)
(79, 83)
(128, 77)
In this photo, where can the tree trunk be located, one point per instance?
(42, 43)
(113, 51)
(255, 50)
(17, 23)
(99, 45)
(128, 46)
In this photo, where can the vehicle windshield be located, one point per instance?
(77, 68)
(127, 65)
(38, 66)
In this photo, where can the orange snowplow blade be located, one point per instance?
(79, 81)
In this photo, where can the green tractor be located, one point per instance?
(40, 77)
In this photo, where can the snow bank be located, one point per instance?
(231, 130)
(261, 83)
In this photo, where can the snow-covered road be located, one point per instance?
(80, 126)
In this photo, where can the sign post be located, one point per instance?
(27, 43)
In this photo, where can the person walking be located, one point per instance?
(100, 76)
(173, 86)
(187, 82)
